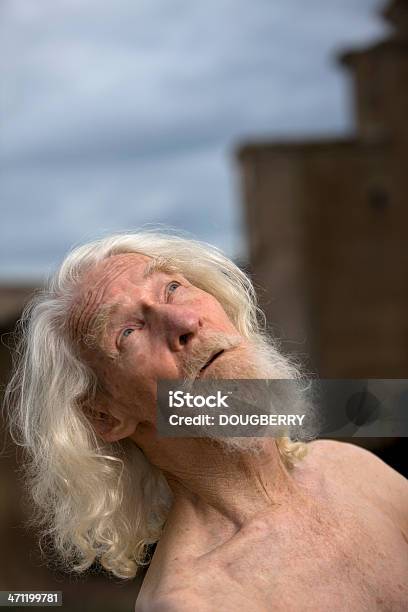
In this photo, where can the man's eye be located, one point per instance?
(171, 287)
(126, 332)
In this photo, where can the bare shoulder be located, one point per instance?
(175, 599)
(163, 590)
(162, 604)
(353, 457)
(355, 465)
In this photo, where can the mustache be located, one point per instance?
(210, 343)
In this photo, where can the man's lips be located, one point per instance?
(210, 361)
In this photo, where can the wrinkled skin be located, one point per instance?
(244, 532)
(147, 340)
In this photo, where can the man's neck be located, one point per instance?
(230, 486)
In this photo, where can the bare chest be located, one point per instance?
(362, 567)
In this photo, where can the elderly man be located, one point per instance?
(246, 525)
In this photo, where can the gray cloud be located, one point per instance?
(121, 113)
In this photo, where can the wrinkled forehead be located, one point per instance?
(106, 271)
(104, 280)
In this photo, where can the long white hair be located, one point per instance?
(97, 501)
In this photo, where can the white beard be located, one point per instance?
(256, 359)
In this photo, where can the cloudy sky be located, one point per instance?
(126, 113)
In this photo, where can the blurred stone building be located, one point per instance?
(327, 225)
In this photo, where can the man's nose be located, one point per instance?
(178, 324)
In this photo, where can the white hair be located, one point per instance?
(97, 501)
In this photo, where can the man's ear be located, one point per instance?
(109, 427)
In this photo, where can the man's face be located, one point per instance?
(144, 323)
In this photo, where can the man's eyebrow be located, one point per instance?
(159, 264)
(98, 325)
